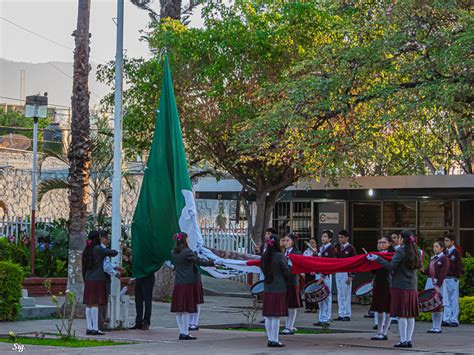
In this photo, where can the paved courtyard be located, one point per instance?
(218, 310)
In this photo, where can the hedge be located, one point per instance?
(11, 278)
(12, 252)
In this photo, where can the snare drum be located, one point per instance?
(365, 289)
(257, 288)
(315, 292)
(429, 300)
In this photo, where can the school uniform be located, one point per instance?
(437, 271)
(293, 295)
(381, 291)
(456, 268)
(344, 291)
(187, 290)
(403, 294)
(275, 296)
(325, 306)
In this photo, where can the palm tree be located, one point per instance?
(100, 173)
(79, 151)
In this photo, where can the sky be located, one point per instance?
(56, 20)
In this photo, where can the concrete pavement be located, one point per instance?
(162, 336)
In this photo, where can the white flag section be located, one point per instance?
(224, 268)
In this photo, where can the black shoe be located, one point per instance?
(434, 331)
(319, 324)
(401, 345)
(308, 311)
(193, 327)
(394, 321)
(89, 332)
(145, 327)
(409, 344)
(375, 327)
(262, 321)
(346, 319)
(453, 325)
(136, 326)
(275, 344)
(186, 337)
(379, 337)
(97, 332)
(338, 318)
(445, 324)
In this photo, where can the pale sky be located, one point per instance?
(56, 20)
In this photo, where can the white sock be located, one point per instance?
(268, 328)
(402, 328)
(386, 324)
(379, 322)
(88, 318)
(376, 320)
(439, 319)
(194, 317)
(290, 320)
(275, 328)
(95, 318)
(410, 328)
(179, 321)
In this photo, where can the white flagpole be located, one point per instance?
(117, 175)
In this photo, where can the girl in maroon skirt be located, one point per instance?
(437, 271)
(187, 291)
(94, 280)
(275, 305)
(403, 291)
(293, 288)
(381, 292)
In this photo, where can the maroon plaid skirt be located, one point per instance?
(199, 292)
(404, 303)
(186, 298)
(94, 293)
(275, 304)
(381, 299)
(294, 298)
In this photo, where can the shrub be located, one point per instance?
(11, 278)
(466, 283)
(12, 252)
(466, 310)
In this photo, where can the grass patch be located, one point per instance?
(70, 343)
(300, 331)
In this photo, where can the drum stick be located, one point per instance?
(365, 251)
(309, 246)
(254, 244)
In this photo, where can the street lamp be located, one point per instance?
(36, 106)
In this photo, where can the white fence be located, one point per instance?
(18, 227)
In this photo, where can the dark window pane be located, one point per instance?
(366, 215)
(435, 214)
(467, 214)
(365, 239)
(467, 241)
(399, 214)
(427, 238)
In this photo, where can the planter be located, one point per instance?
(35, 285)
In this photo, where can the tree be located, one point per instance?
(79, 151)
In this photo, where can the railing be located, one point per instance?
(19, 227)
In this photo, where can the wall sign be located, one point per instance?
(329, 217)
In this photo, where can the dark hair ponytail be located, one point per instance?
(273, 246)
(413, 256)
(93, 239)
(181, 242)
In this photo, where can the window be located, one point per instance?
(366, 240)
(399, 214)
(301, 219)
(466, 225)
(281, 217)
(366, 215)
(467, 241)
(435, 214)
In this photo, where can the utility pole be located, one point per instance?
(117, 175)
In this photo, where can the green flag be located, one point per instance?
(166, 203)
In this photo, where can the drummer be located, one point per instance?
(327, 251)
(293, 290)
(437, 271)
(344, 279)
(312, 250)
(381, 292)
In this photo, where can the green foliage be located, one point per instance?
(69, 343)
(466, 282)
(11, 278)
(12, 252)
(466, 310)
(17, 123)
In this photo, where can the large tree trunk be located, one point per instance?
(264, 203)
(79, 152)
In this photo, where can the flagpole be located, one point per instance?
(117, 174)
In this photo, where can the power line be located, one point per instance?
(22, 100)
